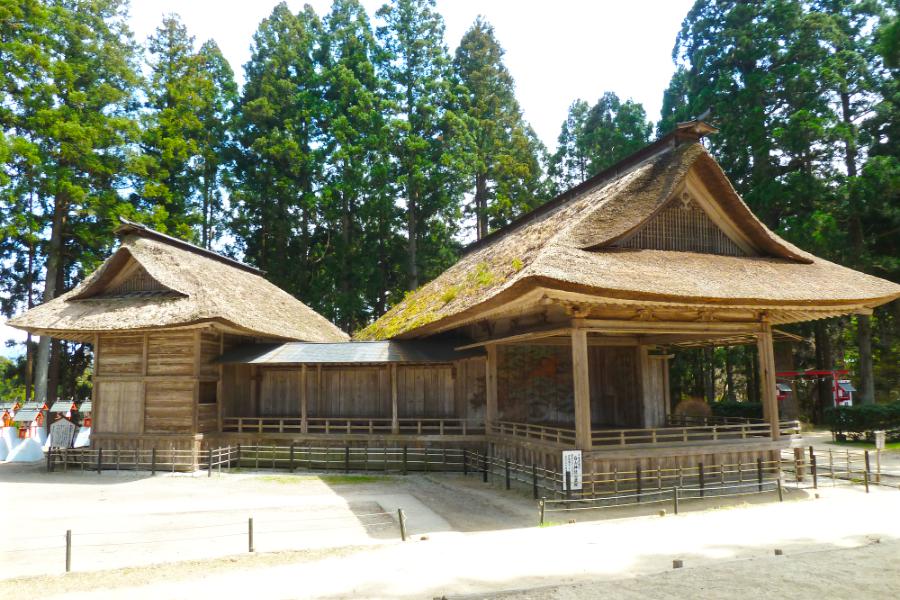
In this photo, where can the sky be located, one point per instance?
(556, 50)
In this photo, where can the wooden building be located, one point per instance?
(552, 333)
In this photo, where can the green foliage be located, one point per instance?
(12, 380)
(429, 136)
(595, 137)
(506, 152)
(858, 422)
(746, 410)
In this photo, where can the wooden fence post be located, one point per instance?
(759, 473)
(534, 481)
(568, 485)
(813, 470)
(507, 473)
(209, 461)
(153, 461)
(250, 534)
(639, 482)
(99, 460)
(401, 517)
(675, 499)
(484, 469)
(346, 459)
(465, 462)
(404, 460)
(292, 458)
(68, 550)
(700, 476)
(541, 504)
(780, 491)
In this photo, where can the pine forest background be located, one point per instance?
(361, 154)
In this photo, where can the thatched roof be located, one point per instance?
(571, 243)
(154, 281)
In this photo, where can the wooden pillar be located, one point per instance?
(582, 389)
(145, 353)
(254, 391)
(196, 373)
(220, 389)
(767, 390)
(395, 408)
(304, 401)
(490, 388)
(95, 394)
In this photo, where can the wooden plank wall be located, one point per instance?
(656, 391)
(170, 353)
(425, 391)
(169, 406)
(119, 410)
(119, 355)
(279, 392)
(470, 389)
(363, 391)
(236, 399)
(153, 382)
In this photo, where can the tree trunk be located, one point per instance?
(729, 376)
(709, 378)
(54, 260)
(346, 316)
(412, 248)
(866, 366)
(824, 362)
(481, 205)
(857, 239)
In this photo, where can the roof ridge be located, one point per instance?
(687, 132)
(138, 229)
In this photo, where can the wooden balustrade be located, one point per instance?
(730, 428)
(684, 435)
(544, 433)
(349, 425)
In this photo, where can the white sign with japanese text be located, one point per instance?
(571, 464)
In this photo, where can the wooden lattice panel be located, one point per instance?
(682, 226)
(139, 281)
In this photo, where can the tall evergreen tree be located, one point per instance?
(429, 139)
(507, 177)
(279, 163)
(356, 192)
(218, 98)
(593, 138)
(79, 119)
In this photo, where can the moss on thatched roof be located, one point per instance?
(570, 244)
(187, 285)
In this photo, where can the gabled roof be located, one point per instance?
(571, 243)
(179, 284)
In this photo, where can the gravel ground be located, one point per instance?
(467, 538)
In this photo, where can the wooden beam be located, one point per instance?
(582, 389)
(519, 337)
(764, 345)
(304, 401)
(395, 407)
(711, 327)
(490, 388)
